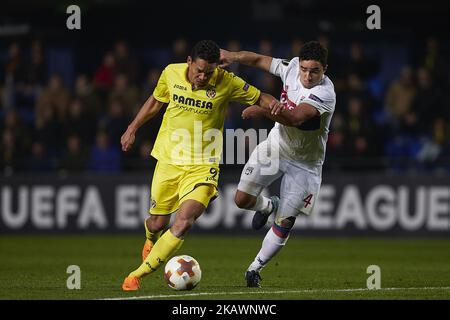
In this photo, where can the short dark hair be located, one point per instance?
(313, 50)
(207, 50)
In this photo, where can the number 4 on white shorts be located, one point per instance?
(308, 200)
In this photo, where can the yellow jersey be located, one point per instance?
(192, 126)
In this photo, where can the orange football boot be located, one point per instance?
(131, 284)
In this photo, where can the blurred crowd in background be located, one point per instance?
(392, 111)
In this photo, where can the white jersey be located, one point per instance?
(306, 143)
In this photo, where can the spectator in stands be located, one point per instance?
(400, 96)
(13, 122)
(14, 74)
(358, 130)
(47, 129)
(36, 74)
(74, 158)
(34, 79)
(11, 155)
(144, 161)
(441, 132)
(356, 87)
(336, 71)
(105, 74)
(104, 158)
(125, 62)
(180, 50)
(360, 63)
(150, 83)
(15, 67)
(84, 92)
(55, 96)
(441, 137)
(79, 123)
(428, 104)
(435, 146)
(294, 50)
(436, 62)
(336, 142)
(266, 47)
(115, 122)
(39, 161)
(126, 94)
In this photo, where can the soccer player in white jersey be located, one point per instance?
(296, 144)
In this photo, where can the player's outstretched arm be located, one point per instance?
(148, 110)
(267, 101)
(294, 116)
(245, 57)
(256, 111)
(301, 113)
(271, 108)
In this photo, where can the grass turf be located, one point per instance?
(34, 267)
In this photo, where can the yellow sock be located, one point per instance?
(165, 247)
(152, 236)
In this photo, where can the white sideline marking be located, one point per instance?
(199, 294)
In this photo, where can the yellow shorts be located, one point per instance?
(174, 184)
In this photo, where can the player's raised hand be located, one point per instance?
(226, 58)
(252, 112)
(127, 139)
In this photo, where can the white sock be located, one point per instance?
(271, 245)
(262, 204)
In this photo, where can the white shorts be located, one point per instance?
(300, 183)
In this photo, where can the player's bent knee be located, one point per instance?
(192, 207)
(244, 200)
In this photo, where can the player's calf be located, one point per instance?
(188, 212)
(263, 206)
(273, 242)
(154, 226)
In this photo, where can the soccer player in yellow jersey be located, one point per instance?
(188, 147)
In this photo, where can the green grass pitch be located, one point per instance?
(34, 267)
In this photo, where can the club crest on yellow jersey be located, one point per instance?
(211, 93)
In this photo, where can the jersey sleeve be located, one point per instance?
(278, 67)
(321, 99)
(242, 92)
(161, 92)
